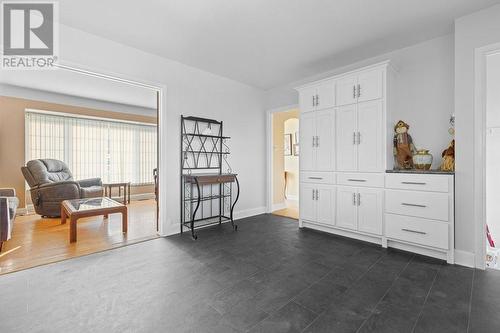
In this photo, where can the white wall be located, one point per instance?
(424, 98)
(472, 31)
(190, 92)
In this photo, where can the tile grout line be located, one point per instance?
(470, 299)
(358, 279)
(425, 301)
(386, 292)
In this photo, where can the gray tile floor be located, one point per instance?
(269, 276)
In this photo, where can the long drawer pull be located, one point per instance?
(316, 178)
(414, 231)
(413, 205)
(413, 183)
(357, 180)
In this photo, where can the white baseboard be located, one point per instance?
(278, 206)
(464, 258)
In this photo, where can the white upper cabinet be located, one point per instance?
(346, 90)
(370, 137)
(318, 97)
(370, 85)
(317, 140)
(307, 134)
(325, 95)
(346, 136)
(365, 86)
(308, 99)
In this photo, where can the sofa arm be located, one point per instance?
(65, 190)
(7, 192)
(90, 182)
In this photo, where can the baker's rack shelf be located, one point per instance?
(209, 188)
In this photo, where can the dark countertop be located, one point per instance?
(425, 172)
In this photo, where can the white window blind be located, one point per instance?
(113, 150)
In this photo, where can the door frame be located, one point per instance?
(164, 229)
(269, 152)
(480, 55)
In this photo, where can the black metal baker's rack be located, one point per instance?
(207, 180)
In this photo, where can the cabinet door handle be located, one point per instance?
(317, 141)
(354, 91)
(413, 183)
(317, 194)
(356, 180)
(359, 138)
(354, 199)
(317, 100)
(359, 90)
(314, 141)
(414, 231)
(413, 205)
(316, 178)
(353, 138)
(313, 101)
(313, 194)
(359, 199)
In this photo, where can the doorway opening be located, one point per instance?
(492, 160)
(285, 163)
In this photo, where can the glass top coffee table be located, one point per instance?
(78, 208)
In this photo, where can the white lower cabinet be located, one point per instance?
(360, 209)
(317, 203)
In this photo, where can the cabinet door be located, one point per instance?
(307, 202)
(370, 85)
(326, 204)
(326, 95)
(325, 132)
(346, 148)
(307, 99)
(370, 137)
(346, 208)
(370, 210)
(307, 150)
(346, 90)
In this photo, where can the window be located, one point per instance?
(115, 151)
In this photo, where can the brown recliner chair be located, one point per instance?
(51, 182)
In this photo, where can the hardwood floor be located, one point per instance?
(36, 241)
(291, 211)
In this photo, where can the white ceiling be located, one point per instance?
(75, 84)
(266, 43)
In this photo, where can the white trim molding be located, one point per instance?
(480, 55)
(464, 258)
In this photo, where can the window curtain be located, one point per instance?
(113, 150)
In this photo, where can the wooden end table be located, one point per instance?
(108, 189)
(78, 208)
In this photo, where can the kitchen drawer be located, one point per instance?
(429, 205)
(361, 179)
(317, 177)
(417, 230)
(418, 182)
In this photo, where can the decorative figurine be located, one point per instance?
(448, 155)
(403, 146)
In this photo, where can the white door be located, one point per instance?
(307, 99)
(346, 90)
(370, 137)
(325, 141)
(370, 210)
(307, 202)
(346, 129)
(370, 85)
(326, 204)
(307, 134)
(325, 95)
(346, 208)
